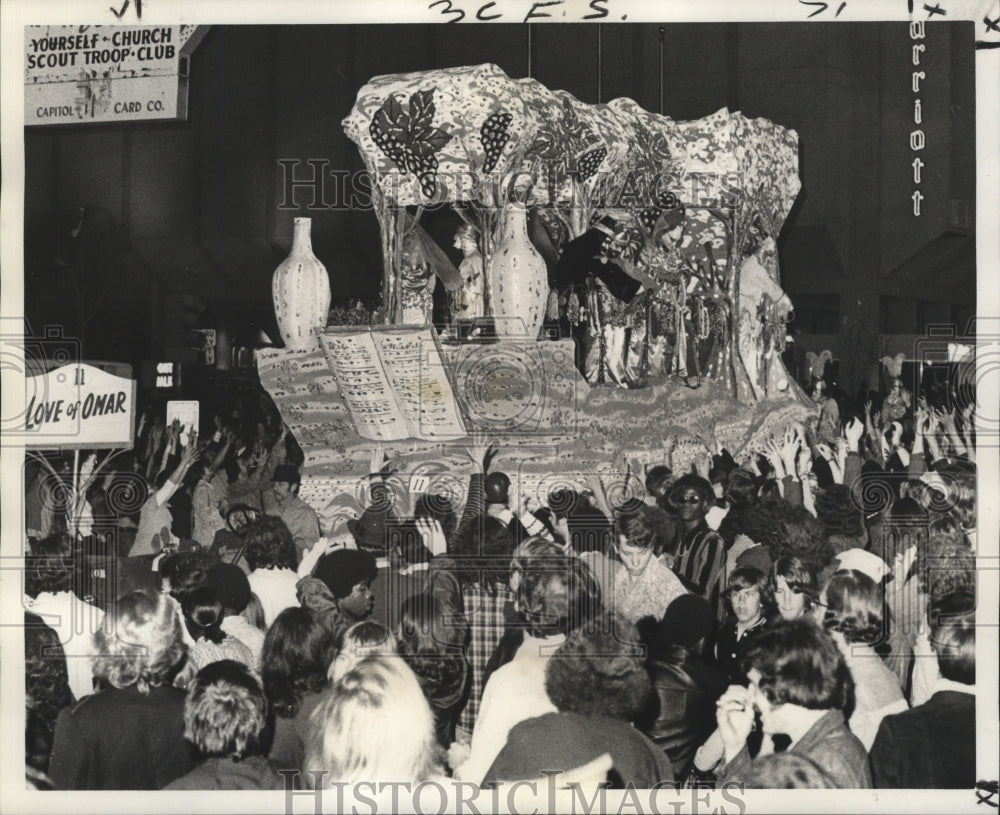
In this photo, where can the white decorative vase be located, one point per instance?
(300, 290)
(518, 279)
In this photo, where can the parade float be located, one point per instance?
(573, 368)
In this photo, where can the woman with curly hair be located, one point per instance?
(841, 517)
(431, 640)
(46, 689)
(599, 685)
(298, 650)
(48, 585)
(959, 478)
(130, 735)
(273, 561)
(374, 725)
(855, 618)
(787, 529)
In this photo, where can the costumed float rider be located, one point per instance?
(690, 312)
(826, 427)
(897, 402)
(662, 259)
(468, 302)
(603, 258)
(764, 309)
(709, 335)
(416, 284)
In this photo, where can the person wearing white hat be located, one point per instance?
(865, 562)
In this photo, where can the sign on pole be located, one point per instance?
(77, 406)
(88, 74)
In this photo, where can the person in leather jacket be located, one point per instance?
(683, 713)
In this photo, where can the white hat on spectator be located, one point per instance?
(864, 562)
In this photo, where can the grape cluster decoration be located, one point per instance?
(494, 135)
(409, 138)
(588, 163)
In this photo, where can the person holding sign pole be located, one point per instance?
(154, 517)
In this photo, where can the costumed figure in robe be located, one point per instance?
(710, 335)
(898, 400)
(416, 284)
(603, 258)
(764, 309)
(826, 428)
(421, 262)
(469, 301)
(691, 313)
(668, 313)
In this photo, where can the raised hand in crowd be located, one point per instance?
(840, 454)
(635, 467)
(709, 439)
(788, 450)
(825, 452)
(432, 535)
(174, 434)
(803, 465)
(191, 453)
(379, 462)
(889, 440)
(931, 435)
(482, 452)
(803, 460)
(669, 445)
(169, 448)
(853, 431)
(563, 535)
(312, 555)
(967, 424)
(946, 418)
(772, 452)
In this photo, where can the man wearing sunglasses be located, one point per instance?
(702, 553)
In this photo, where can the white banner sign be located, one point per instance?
(86, 74)
(77, 405)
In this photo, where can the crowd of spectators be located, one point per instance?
(800, 614)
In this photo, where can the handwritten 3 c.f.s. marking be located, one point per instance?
(509, 11)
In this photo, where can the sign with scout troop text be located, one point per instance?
(78, 405)
(86, 74)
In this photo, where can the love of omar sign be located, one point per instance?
(78, 405)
